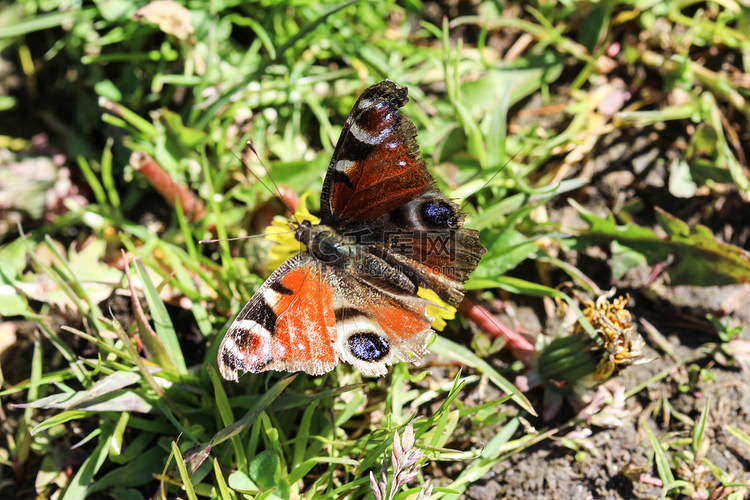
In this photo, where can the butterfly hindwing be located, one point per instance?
(426, 239)
(379, 318)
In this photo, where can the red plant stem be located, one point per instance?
(521, 348)
(160, 180)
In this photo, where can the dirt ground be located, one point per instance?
(622, 465)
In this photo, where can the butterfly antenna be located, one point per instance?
(276, 191)
(513, 157)
(279, 194)
(203, 242)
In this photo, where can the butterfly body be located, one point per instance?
(385, 231)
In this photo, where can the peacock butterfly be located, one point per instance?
(385, 231)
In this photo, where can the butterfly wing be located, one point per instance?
(376, 166)
(378, 323)
(307, 316)
(426, 240)
(288, 325)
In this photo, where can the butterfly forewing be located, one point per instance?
(376, 166)
(378, 185)
(288, 325)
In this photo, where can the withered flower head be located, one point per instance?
(613, 326)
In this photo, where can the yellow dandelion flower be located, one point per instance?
(603, 370)
(617, 345)
(281, 232)
(438, 309)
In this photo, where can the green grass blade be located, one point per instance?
(81, 483)
(162, 322)
(662, 462)
(186, 484)
(45, 21)
(699, 431)
(459, 353)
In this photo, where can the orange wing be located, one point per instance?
(288, 325)
(307, 316)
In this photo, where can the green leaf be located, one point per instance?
(306, 466)
(221, 482)
(625, 259)
(519, 79)
(134, 473)
(249, 418)
(45, 21)
(7, 102)
(12, 260)
(118, 401)
(184, 476)
(265, 469)
(681, 183)
(60, 418)
(594, 25)
(505, 251)
(739, 434)
(459, 353)
(106, 88)
(699, 431)
(79, 486)
(238, 480)
(162, 322)
(12, 303)
(110, 383)
(114, 10)
(185, 137)
(487, 460)
(700, 260)
(282, 491)
(125, 494)
(516, 204)
(662, 462)
(89, 268)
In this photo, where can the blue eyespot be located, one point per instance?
(439, 213)
(368, 346)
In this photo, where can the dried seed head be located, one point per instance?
(375, 487)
